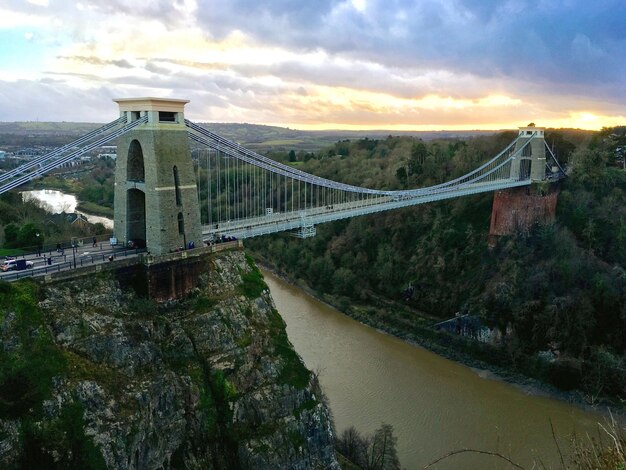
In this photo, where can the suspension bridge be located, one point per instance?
(158, 187)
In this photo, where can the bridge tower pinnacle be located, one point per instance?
(156, 197)
(531, 160)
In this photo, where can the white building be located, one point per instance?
(108, 151)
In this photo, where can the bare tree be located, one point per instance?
(376, 452)
(352, 445)
(382, 453)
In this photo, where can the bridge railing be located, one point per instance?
(69, 261)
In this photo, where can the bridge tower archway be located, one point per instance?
(526, 165)
(136, 210)
(154, 177)
(135, 170)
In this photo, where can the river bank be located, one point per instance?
(461, 350)
(91, 208)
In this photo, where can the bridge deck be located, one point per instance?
(279, 222)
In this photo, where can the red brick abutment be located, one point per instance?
(518, 210)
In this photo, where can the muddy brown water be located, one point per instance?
(435, 405)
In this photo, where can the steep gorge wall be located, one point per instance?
(210, 381)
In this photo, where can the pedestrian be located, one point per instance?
(95, 242)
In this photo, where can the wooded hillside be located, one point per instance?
(558, 290)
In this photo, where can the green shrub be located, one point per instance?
(207, 402)
(252, 285)
(296, 439)
(305, 406)
(203, 304)
(293, 371)
(26, 371)
(143, 307)
(566, 373)
(60, 443)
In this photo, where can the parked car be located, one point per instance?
(16, 265)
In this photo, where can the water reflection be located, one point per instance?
(57, 202)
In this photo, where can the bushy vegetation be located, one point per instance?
(28, 363)
(293, 371)
(60, 443)
(606, 450)
(557, 291)
(252, 283)
(216, 394)
(26, 370)
(24, 226)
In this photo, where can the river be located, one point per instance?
(56, 202)
(435, 405)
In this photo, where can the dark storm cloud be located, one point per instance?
(559, 44)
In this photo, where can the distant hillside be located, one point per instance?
(254, 136)
(258, 137)
(46, 128)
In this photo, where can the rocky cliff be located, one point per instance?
(93, 376)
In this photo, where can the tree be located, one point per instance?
(377, 452)
(11, 233)
(382, 453)
(30, 236)
(561, 148)
(401, 175)
(292, 156)
(352, 445)
(419, 153)
(344, 281)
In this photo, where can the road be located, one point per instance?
(55, 261)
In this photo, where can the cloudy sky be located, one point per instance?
(320, 64)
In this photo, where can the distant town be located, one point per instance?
(17, 156)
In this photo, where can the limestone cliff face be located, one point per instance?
(210, 381)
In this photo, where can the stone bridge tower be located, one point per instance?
(531, 162)
(156, 198)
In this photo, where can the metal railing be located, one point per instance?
(70, 262)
